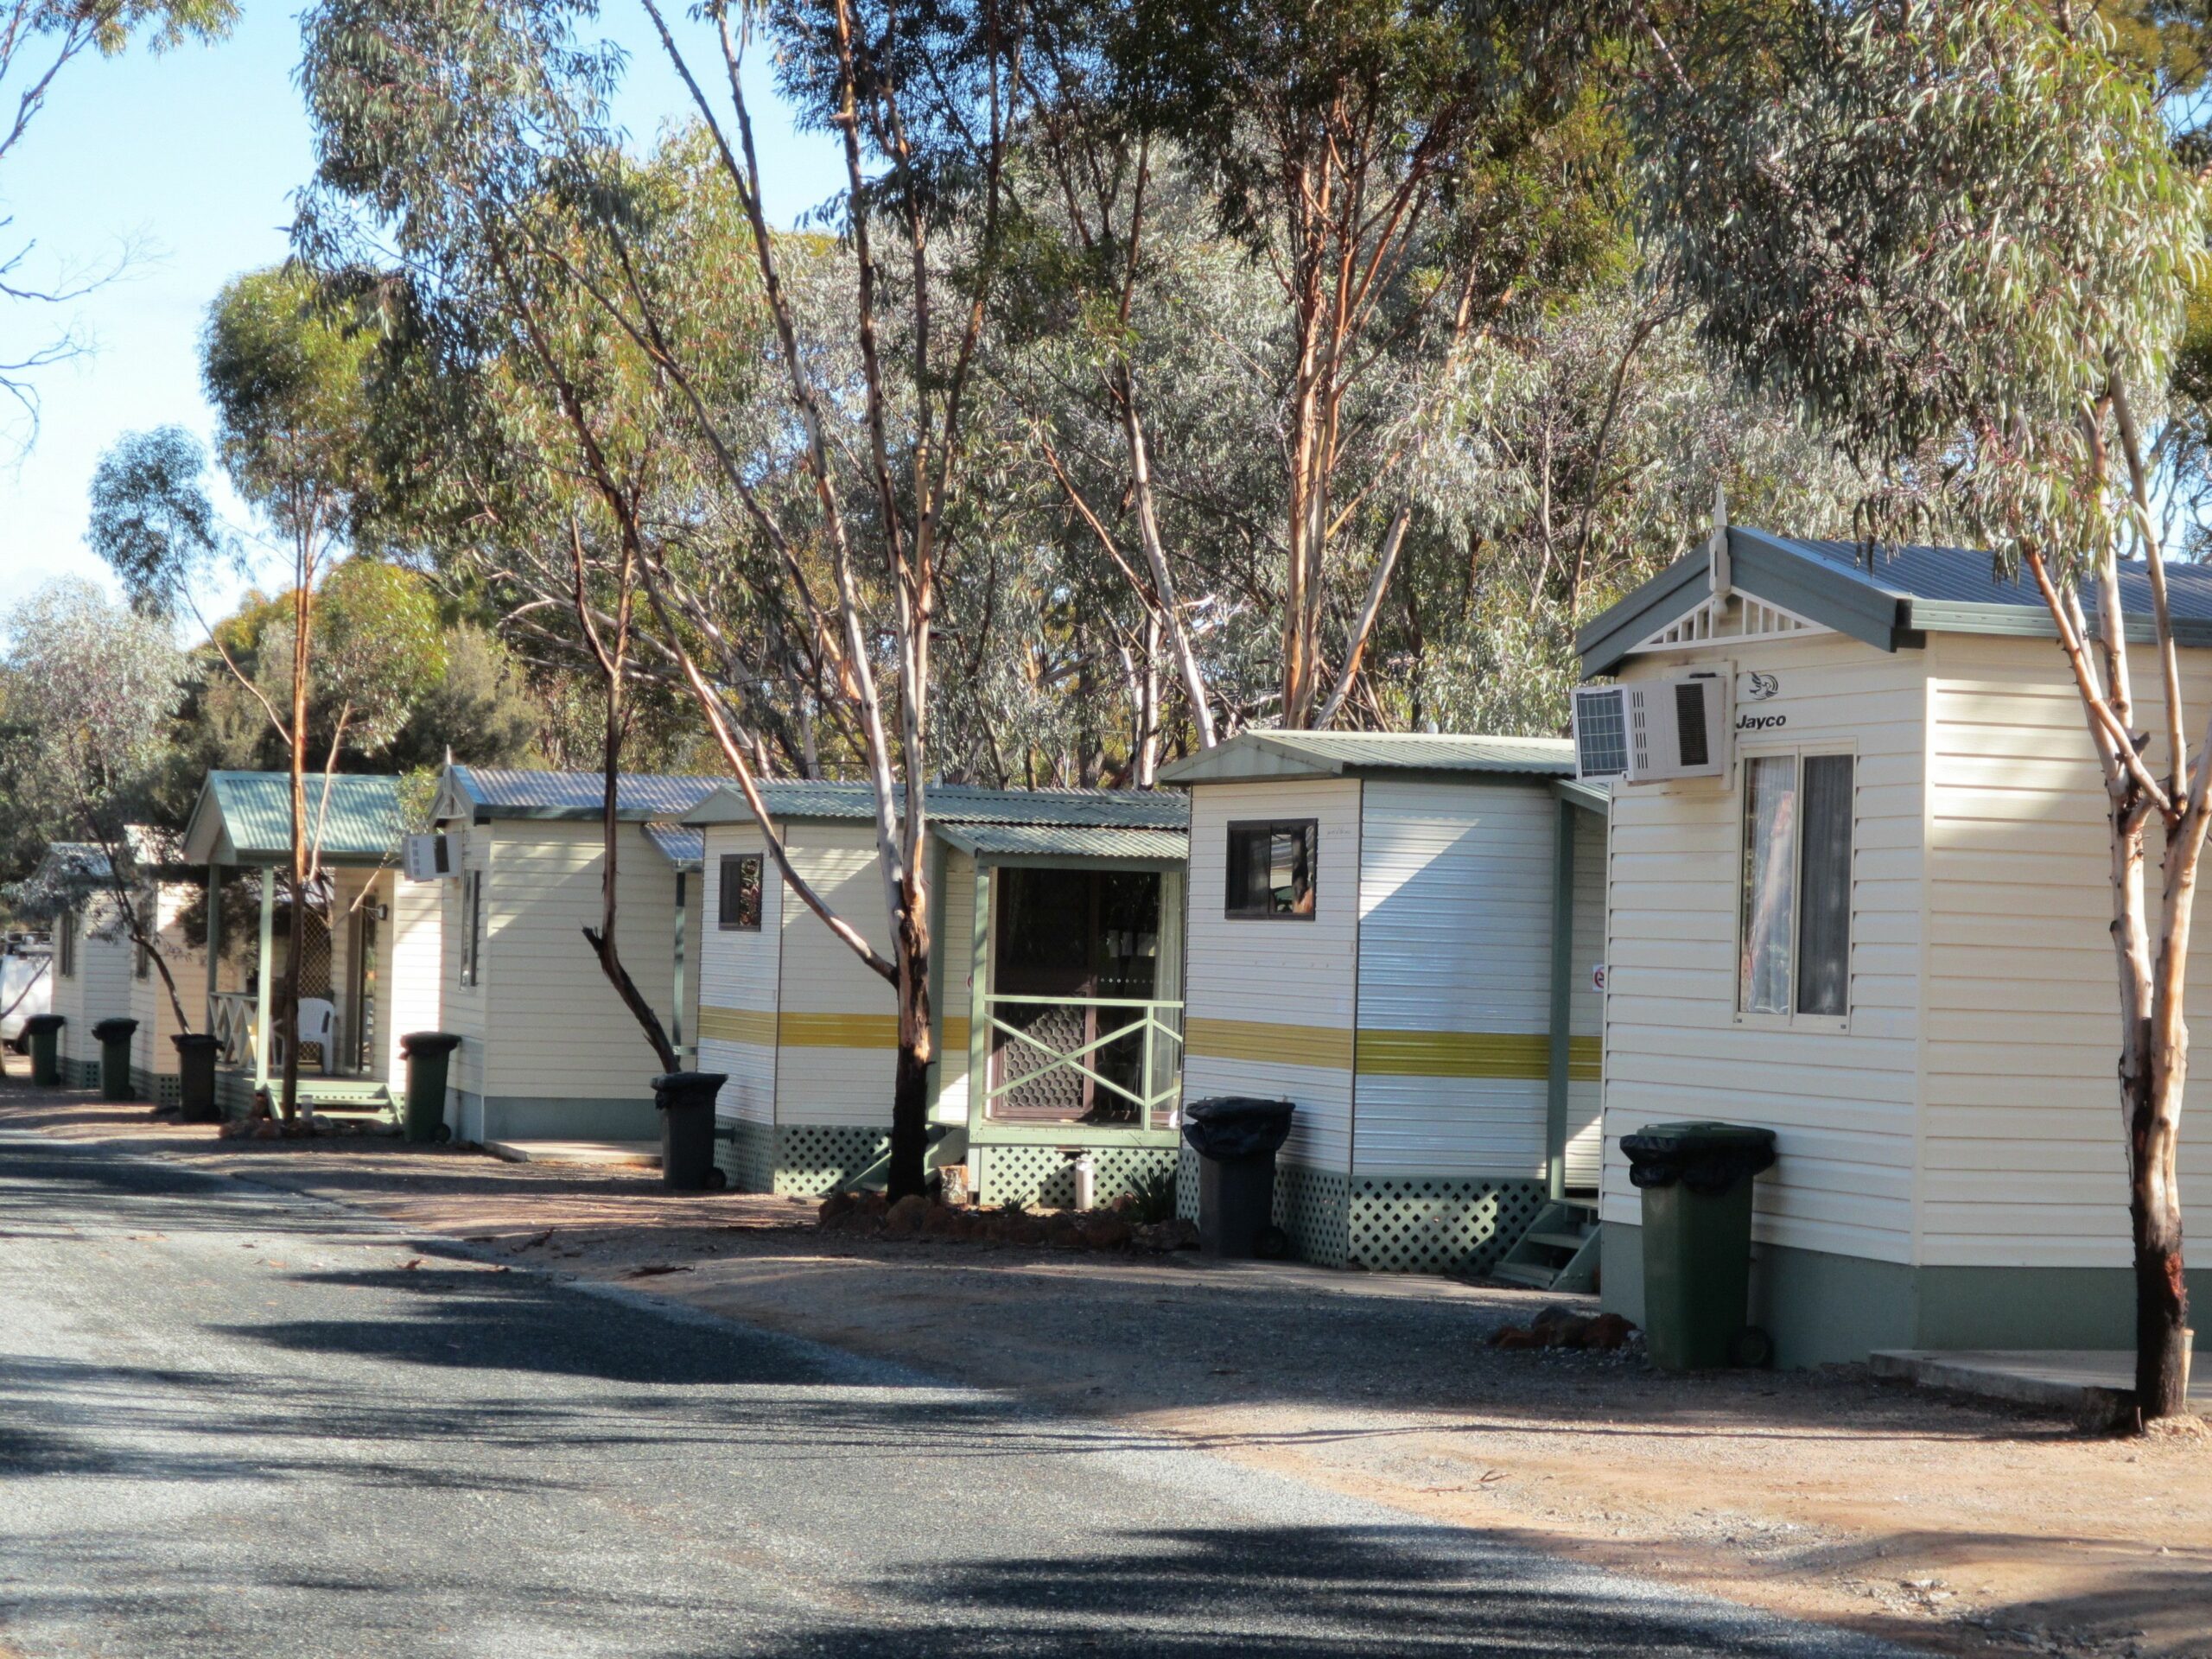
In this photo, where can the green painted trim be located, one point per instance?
(2030, 622)
(933, 1085)
(1589, 797)
(979, 1007)
(1077, 861)
(1560, 1064)
(1616, 631)
(264, 979)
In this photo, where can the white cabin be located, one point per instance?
(1880, 929)
(1056, 979)
(1400, 933)
(547, 1050)
(92, 955)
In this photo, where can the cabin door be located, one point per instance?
(362, 974)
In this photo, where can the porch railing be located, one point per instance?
(1158, 1025)
(236, 1021)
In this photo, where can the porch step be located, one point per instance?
(1558, 1252)
(607, 1154)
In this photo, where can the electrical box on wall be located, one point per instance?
(1650, 731)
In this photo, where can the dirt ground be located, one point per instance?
(1949, 1524)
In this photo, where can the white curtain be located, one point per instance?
(1770, 866)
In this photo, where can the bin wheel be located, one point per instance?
(1272, 1244)
(444, 1133)
(717, 1179)
(1750, 1349)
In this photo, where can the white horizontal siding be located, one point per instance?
(150, 1047)
(1456, 888)
(412, 970)
(821, 975)
(462, 1008)
(954, 937)
(100, 989)
(1301, 975)
(2024, 1164)
(1842, 1103)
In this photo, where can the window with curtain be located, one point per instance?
(739, 902)
(1795, 900)
(1272, 869)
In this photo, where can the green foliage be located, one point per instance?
(151, 518)
(1941, 228)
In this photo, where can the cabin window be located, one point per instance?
(64, 950)
(1271, 870)
(1797, 885)
(738, 906)
(472, 927)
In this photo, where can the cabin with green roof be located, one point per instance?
(1055, 987)
(369, 969)
(548, 1050)
(1399, 933)
(1873, 917)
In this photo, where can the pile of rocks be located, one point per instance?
(867, 1214)
(308, 1126)
(1562, 1327)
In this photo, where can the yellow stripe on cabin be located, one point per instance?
(1261, 1041)
(838, 1031)
(737, 1026)
(1585, 1059)
(952, 1037)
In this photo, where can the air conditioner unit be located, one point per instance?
(431, 858)
(1652, 730)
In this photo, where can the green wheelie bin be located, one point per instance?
(1696, 1181)
(44, 1031)
(428, 1053)
(114, 1037)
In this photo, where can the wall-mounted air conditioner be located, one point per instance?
(1651, 730)
(431, 858)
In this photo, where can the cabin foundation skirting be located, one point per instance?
(527, 1117)
(161, 1088)
(1043, 1176)
(79, 1074)
(798, 1159)
(1822, 1308)
(1388, 1224)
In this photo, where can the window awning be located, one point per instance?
(1073, 842)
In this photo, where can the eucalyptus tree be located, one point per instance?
(1955, 232)
(90, 690)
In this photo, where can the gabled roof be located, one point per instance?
(1251, 755)
(246, 817)
(481, 794)
(1889, 599)
(951, 804)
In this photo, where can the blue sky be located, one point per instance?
(194, 156)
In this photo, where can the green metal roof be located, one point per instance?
(1263, 755)
(963, 803)
(246, 817)
(1890, 599)
(482, 793)
(1043, 841)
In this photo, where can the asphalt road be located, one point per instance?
(233, 1421)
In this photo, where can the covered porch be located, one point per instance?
(1071, 1042)
(362, 940)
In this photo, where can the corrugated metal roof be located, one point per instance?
(957, 803)
(685, 849)
(1066, 841)
(519, 793)
(1285, 754)
(358, 812)
(1969, 577)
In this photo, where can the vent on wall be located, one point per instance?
(1650, 732)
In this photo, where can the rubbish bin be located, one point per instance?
(428, 1053)
(1236, 1138)
(114, 1037)
(1696, 1182)
(44, 1031)
(686, 1100)
(196, 1069)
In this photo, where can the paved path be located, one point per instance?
(237, 1422)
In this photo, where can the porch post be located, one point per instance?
(676, 1028)
(1562, 999)
(935, 877)
(979, 1008)
(214, 940)
(262, 977)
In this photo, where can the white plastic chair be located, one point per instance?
(318, 1025)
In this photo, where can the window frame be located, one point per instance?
(723, 921)
(472, 928)
(65, 947)
(1268, 828)
(1798, 754)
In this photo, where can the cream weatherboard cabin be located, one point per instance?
(547, 1050)
(1056, 989)
(1868, 910)
(91, 959)
(368, 970)
(1400, 934)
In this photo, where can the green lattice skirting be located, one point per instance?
(1389, 1224)
(806, 1160)
(1044, 1177)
